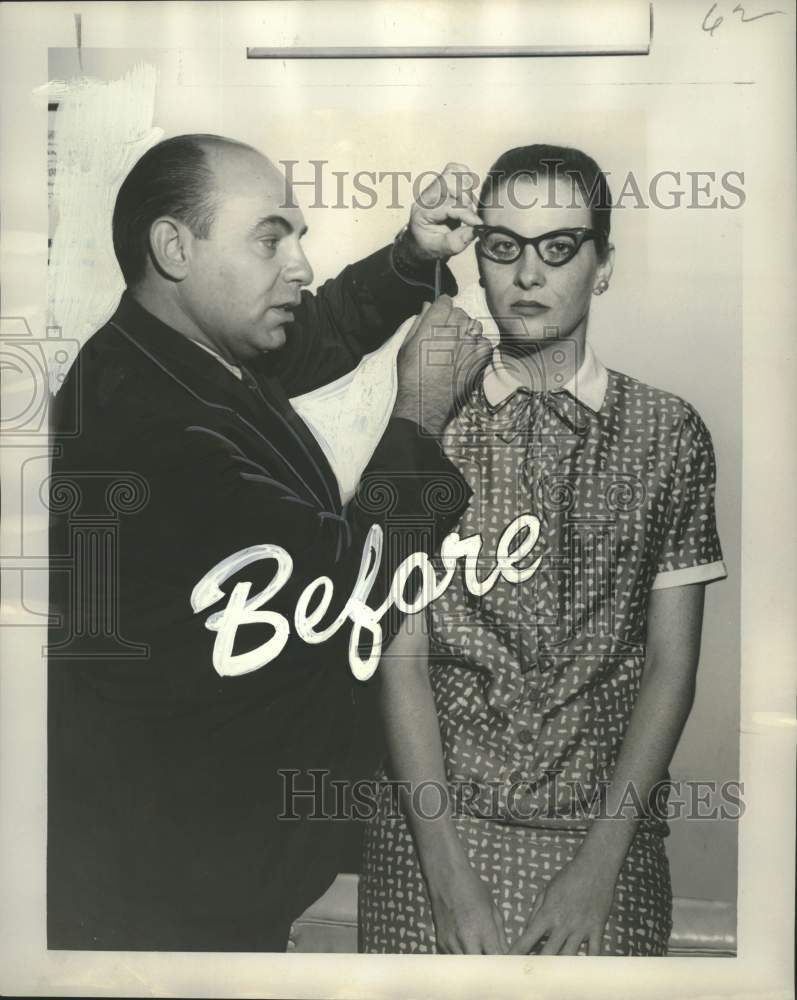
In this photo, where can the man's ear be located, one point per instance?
(169, 247)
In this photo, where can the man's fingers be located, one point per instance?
(474, 329)
(431, 315)
(468, 328)
(462, 214)
(461, 183)
(452, 190)
(443, 314)
(444, 213)
(460, 239)
(460, 319)
(417, 321)
(439, 312)
(443, 302)
(453, 167)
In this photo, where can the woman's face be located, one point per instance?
(529, 299)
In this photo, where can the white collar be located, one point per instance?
(588, 385)
(234, 369)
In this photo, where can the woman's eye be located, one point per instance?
(270, 242)
(505, 247)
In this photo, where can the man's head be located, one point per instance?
(205, 228)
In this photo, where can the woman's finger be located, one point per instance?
(556, 940)
(471, 943)
(536, 929)
(571, 945)
(498, 920)
(595, 946)
(455, 945)
(537, 904)
(490, 944)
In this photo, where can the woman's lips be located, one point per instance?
(530, 308)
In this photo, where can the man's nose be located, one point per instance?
(530, 269)
(297, 267)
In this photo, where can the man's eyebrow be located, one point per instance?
(277, 220)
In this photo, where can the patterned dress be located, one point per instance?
(534, 683)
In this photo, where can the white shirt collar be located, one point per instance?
(588, 385)
(234, 369)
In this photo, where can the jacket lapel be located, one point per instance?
(263, 408)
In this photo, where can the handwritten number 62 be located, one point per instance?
(711, 26)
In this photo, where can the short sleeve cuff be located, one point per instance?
(705, 573)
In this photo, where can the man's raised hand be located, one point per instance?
(444, 214)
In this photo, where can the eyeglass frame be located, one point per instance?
(581, 234)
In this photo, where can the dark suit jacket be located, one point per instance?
(163, 776)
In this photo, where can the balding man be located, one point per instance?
(164, 791)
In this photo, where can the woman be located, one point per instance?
(551, 708)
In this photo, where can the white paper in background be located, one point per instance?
(99, 130)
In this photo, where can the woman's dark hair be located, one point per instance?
(558, 163)
(172, 178)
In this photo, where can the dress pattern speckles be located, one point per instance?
(516, 862)
(534, 683)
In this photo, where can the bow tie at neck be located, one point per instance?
(524, 412)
